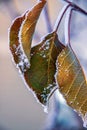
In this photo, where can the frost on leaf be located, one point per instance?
(37, 64)
(28, 27)
(72, 82)
(15, 47)
(40, 75)
(21, 33)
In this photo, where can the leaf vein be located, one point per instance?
(83, 104)
(73, 81)
(65, 57)
(78, 90)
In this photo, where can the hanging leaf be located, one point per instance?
(40, 75)
(15, 46)
(37, 64)
(25, 27)
(71, 80)
(28, 27)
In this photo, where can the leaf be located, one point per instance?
(37, 64)
(28, 27)
(71, 80)
(24, 23)
(15, 47)
(13, 35)
(40, 75)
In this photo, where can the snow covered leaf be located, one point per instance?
(72, 82)
(40, 75)
(26, 26)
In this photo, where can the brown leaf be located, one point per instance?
(15, 46)
(28, 27)
(13, 37)
(71, 80)
(24, 23)
(40, 75)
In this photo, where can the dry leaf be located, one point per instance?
(37, 64)
(71, 80)
(28, 27)
(18, 43)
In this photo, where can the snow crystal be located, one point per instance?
(84, 120)
(77, 103)
(44, 56)
(23, 61)
(47, 47)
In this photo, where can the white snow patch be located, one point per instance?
(85, 120)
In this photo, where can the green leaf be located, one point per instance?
(71, 80)
(40, 75)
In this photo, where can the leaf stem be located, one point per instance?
(67, 26)
(56, 88)
(60, 16)
(76, 7)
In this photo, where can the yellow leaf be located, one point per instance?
(71, 80)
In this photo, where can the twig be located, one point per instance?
(60, 16)
(76, 7)
(67, 26)
(56, 88)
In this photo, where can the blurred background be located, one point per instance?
(18, 107)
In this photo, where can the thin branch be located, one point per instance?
(60, 16)
(76, 7)
(47, 19)
(56, 88)
(67, 26)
